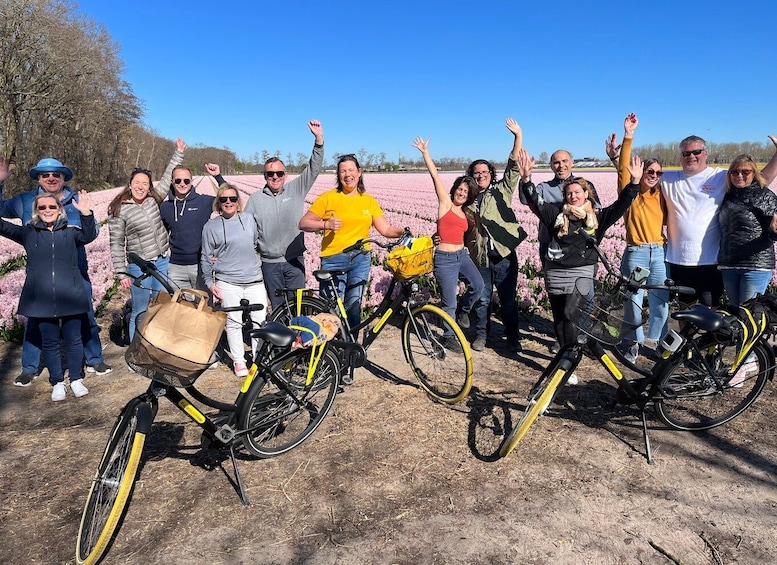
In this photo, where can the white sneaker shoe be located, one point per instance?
(241, 370)
(78, 388)
(58, 392)
(572, 380)
(748, 368)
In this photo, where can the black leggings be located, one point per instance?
(565, 308)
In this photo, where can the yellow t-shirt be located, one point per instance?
(356, 211)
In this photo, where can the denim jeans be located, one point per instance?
(448, 267)
(90, 336)
(650, 256)
(141, 297)
(255, 293)
(350, 286)
(286, 274)
(501, 272)
(743, 284)
(71, 343)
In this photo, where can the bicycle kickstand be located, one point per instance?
(648, 450)
(241, 491)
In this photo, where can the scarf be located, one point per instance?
(584, 212)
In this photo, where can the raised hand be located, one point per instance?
(525, 163)
(317, 131)
(5, 168)
(636, 168)
(84, 203)
(421, 145)
(630, 124)
(774, 140)
(213, 169)
(513, 126)
(180, 144)
(612, 147)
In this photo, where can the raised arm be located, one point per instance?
(163, 186)
(443, 198)
(630, 124)
(513, 126)
(769, 172)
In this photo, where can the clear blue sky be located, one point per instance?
(248, 75)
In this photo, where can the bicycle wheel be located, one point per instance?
(690, 398)
(112, 485)
(283, 409)
(438, 353)
(539, 399)
(310, 306)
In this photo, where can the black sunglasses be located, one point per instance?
(141, 170)
(47, 175)
(48, 207)
(179, 181)
(279, 174)
(224, 199)
(692, 152)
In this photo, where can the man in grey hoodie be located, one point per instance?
(278, 208)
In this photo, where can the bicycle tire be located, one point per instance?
(310, 306)
(112, 486)
(277, 421)
(438, 353)
(690, 399)
(539, 400)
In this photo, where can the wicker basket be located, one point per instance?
(601, 317)
(161, 366)
(406, 263)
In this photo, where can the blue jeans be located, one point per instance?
(448, 267)
(650, 256)
(351, 284)
(71, 342)
(501, 272)
(90, 335)
(141, 297)
(743, 284)
(286, 274)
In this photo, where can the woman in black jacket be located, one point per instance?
(748, 226)
(54, 293)
(569, 259)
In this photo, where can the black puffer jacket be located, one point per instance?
(745, 238)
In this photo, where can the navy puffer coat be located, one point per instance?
(746, 241)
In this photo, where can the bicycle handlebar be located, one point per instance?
(149, 270)
(631, 284)
(359, 245)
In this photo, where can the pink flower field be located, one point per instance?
(407, 199)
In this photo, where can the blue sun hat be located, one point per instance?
(49, 165)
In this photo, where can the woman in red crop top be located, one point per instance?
(451, 258)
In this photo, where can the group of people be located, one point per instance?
(720, 229)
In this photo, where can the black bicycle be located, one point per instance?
(708, 373)
(285, 397)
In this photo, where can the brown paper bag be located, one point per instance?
(182, 328)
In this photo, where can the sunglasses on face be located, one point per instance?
(741, 172)
(692, 152)
(47, 175)
(179, 181)
(654, 173)
(225, 199)
(270, 174)
(48, 207)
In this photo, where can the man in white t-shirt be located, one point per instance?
(693, 197)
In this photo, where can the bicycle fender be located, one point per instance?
(145, 418)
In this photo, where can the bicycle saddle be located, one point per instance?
(275, 333)
(701, 317)
(325, 276)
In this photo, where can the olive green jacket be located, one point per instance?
(496, 219)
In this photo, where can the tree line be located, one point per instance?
(62, 96)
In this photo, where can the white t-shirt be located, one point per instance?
(692, 204)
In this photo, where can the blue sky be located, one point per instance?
(248, 75)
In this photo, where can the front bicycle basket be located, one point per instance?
(407, 262)
(601, 316)
(162, 366)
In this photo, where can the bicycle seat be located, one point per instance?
(326, 276)
(701, 317)
(275, 333)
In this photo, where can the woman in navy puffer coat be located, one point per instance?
(54, 292)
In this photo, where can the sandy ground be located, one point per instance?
(394, 478)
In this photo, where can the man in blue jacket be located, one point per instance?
(52, 176)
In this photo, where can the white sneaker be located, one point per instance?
(58, 392)
(78, 388)
(748, 368)
(241, 370)
(572, 380)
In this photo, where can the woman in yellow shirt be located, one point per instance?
(345, 214)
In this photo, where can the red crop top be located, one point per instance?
(451, 228)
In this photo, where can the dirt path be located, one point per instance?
(393, 478)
